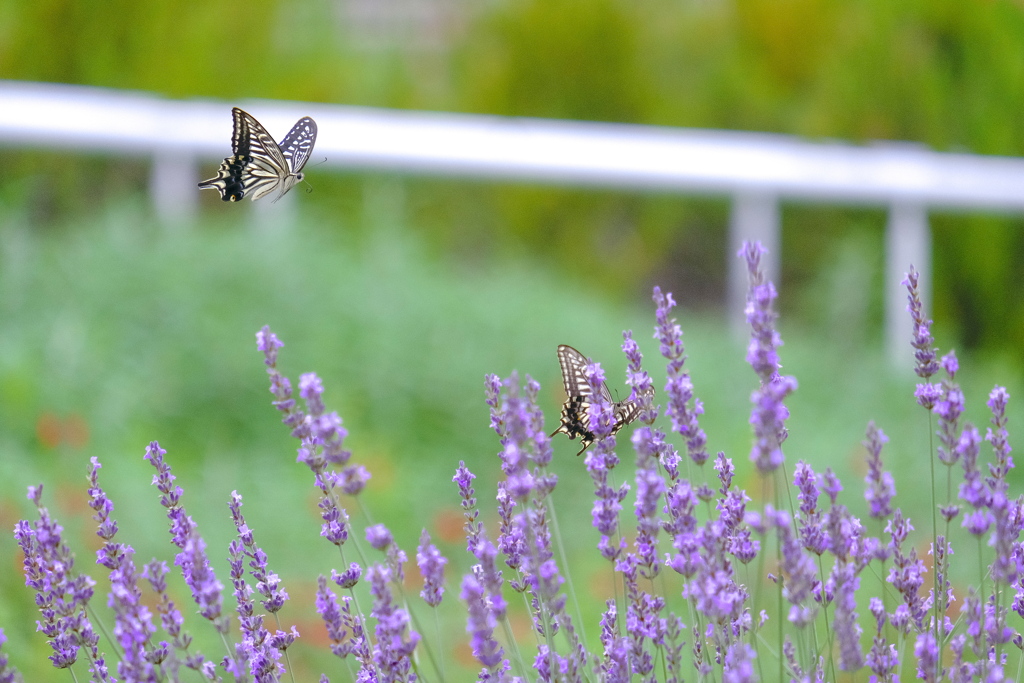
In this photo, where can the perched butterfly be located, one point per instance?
(575, 416)
(260, 166)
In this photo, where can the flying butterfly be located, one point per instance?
(260, 166)
(579, 393)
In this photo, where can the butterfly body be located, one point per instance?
(575, 418)
(259, 166)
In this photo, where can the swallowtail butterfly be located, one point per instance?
(260, 166)
(575, 416)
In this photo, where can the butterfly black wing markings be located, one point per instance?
(575, 418)
(259, 166)
(297, 146)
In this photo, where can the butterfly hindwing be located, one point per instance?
(575, 418)
(259, 166)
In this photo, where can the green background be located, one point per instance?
(403, 292)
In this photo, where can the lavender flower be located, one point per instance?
(267, 584)
(348, 578)
(172, 621)
(810, 525)
(380, 538)
(195, 565)
(1008, 516)
(599, 462)
(845, 581)
(906, 573)
(133, 624)
(797, 568)
(927, 653)
(61, 596)
(948, 408)
(395, 641)
(253, 655)
(512, 532)
(8, 673)
(480, 624)
(322, 438)
(486, 572)
(880, 487)
(678, 387)
(431, 563)
(924, 354)
(345, 631)
(882, 659)
(637, 377)
(738, 666)
(615, 662)
(680, 504)
(327, 608)
(649, 489)
(768, 418)
(474, 528)
(997, 434)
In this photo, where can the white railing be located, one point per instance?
(756, 170)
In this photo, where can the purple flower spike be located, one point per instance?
(882, 659)
(927, 653)
(268, 584)
(924, 351)
(61, 596)
(171, 619)
(997, 434)
(8, 673)
(194, 563)
(801, 578)
(764, 339)
(327, 608)
(768, 419)
(253, 655)
(348, 578)
(880, 487)
(948, 409)
(845, 581)
(480, 624)
(395, 640)
(906, 575)
(378, 537)
(637, 377)
(678, 387)
(133, 625)
(810, 521)
(474, 527)
(431, 563)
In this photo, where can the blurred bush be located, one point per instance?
(945, 73)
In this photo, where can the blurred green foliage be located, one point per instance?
(945, 73)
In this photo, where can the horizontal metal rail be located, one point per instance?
(757, 170)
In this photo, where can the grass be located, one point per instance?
(115, 333)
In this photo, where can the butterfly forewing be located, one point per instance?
(259, 166)
(575, 418)
(298, 144)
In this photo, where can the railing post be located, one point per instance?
(173, 186)
(754, 216)
(908, 241)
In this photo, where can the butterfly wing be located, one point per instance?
(258, 166)
(298, 144)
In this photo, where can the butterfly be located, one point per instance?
(260, 166)
(579, 393)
